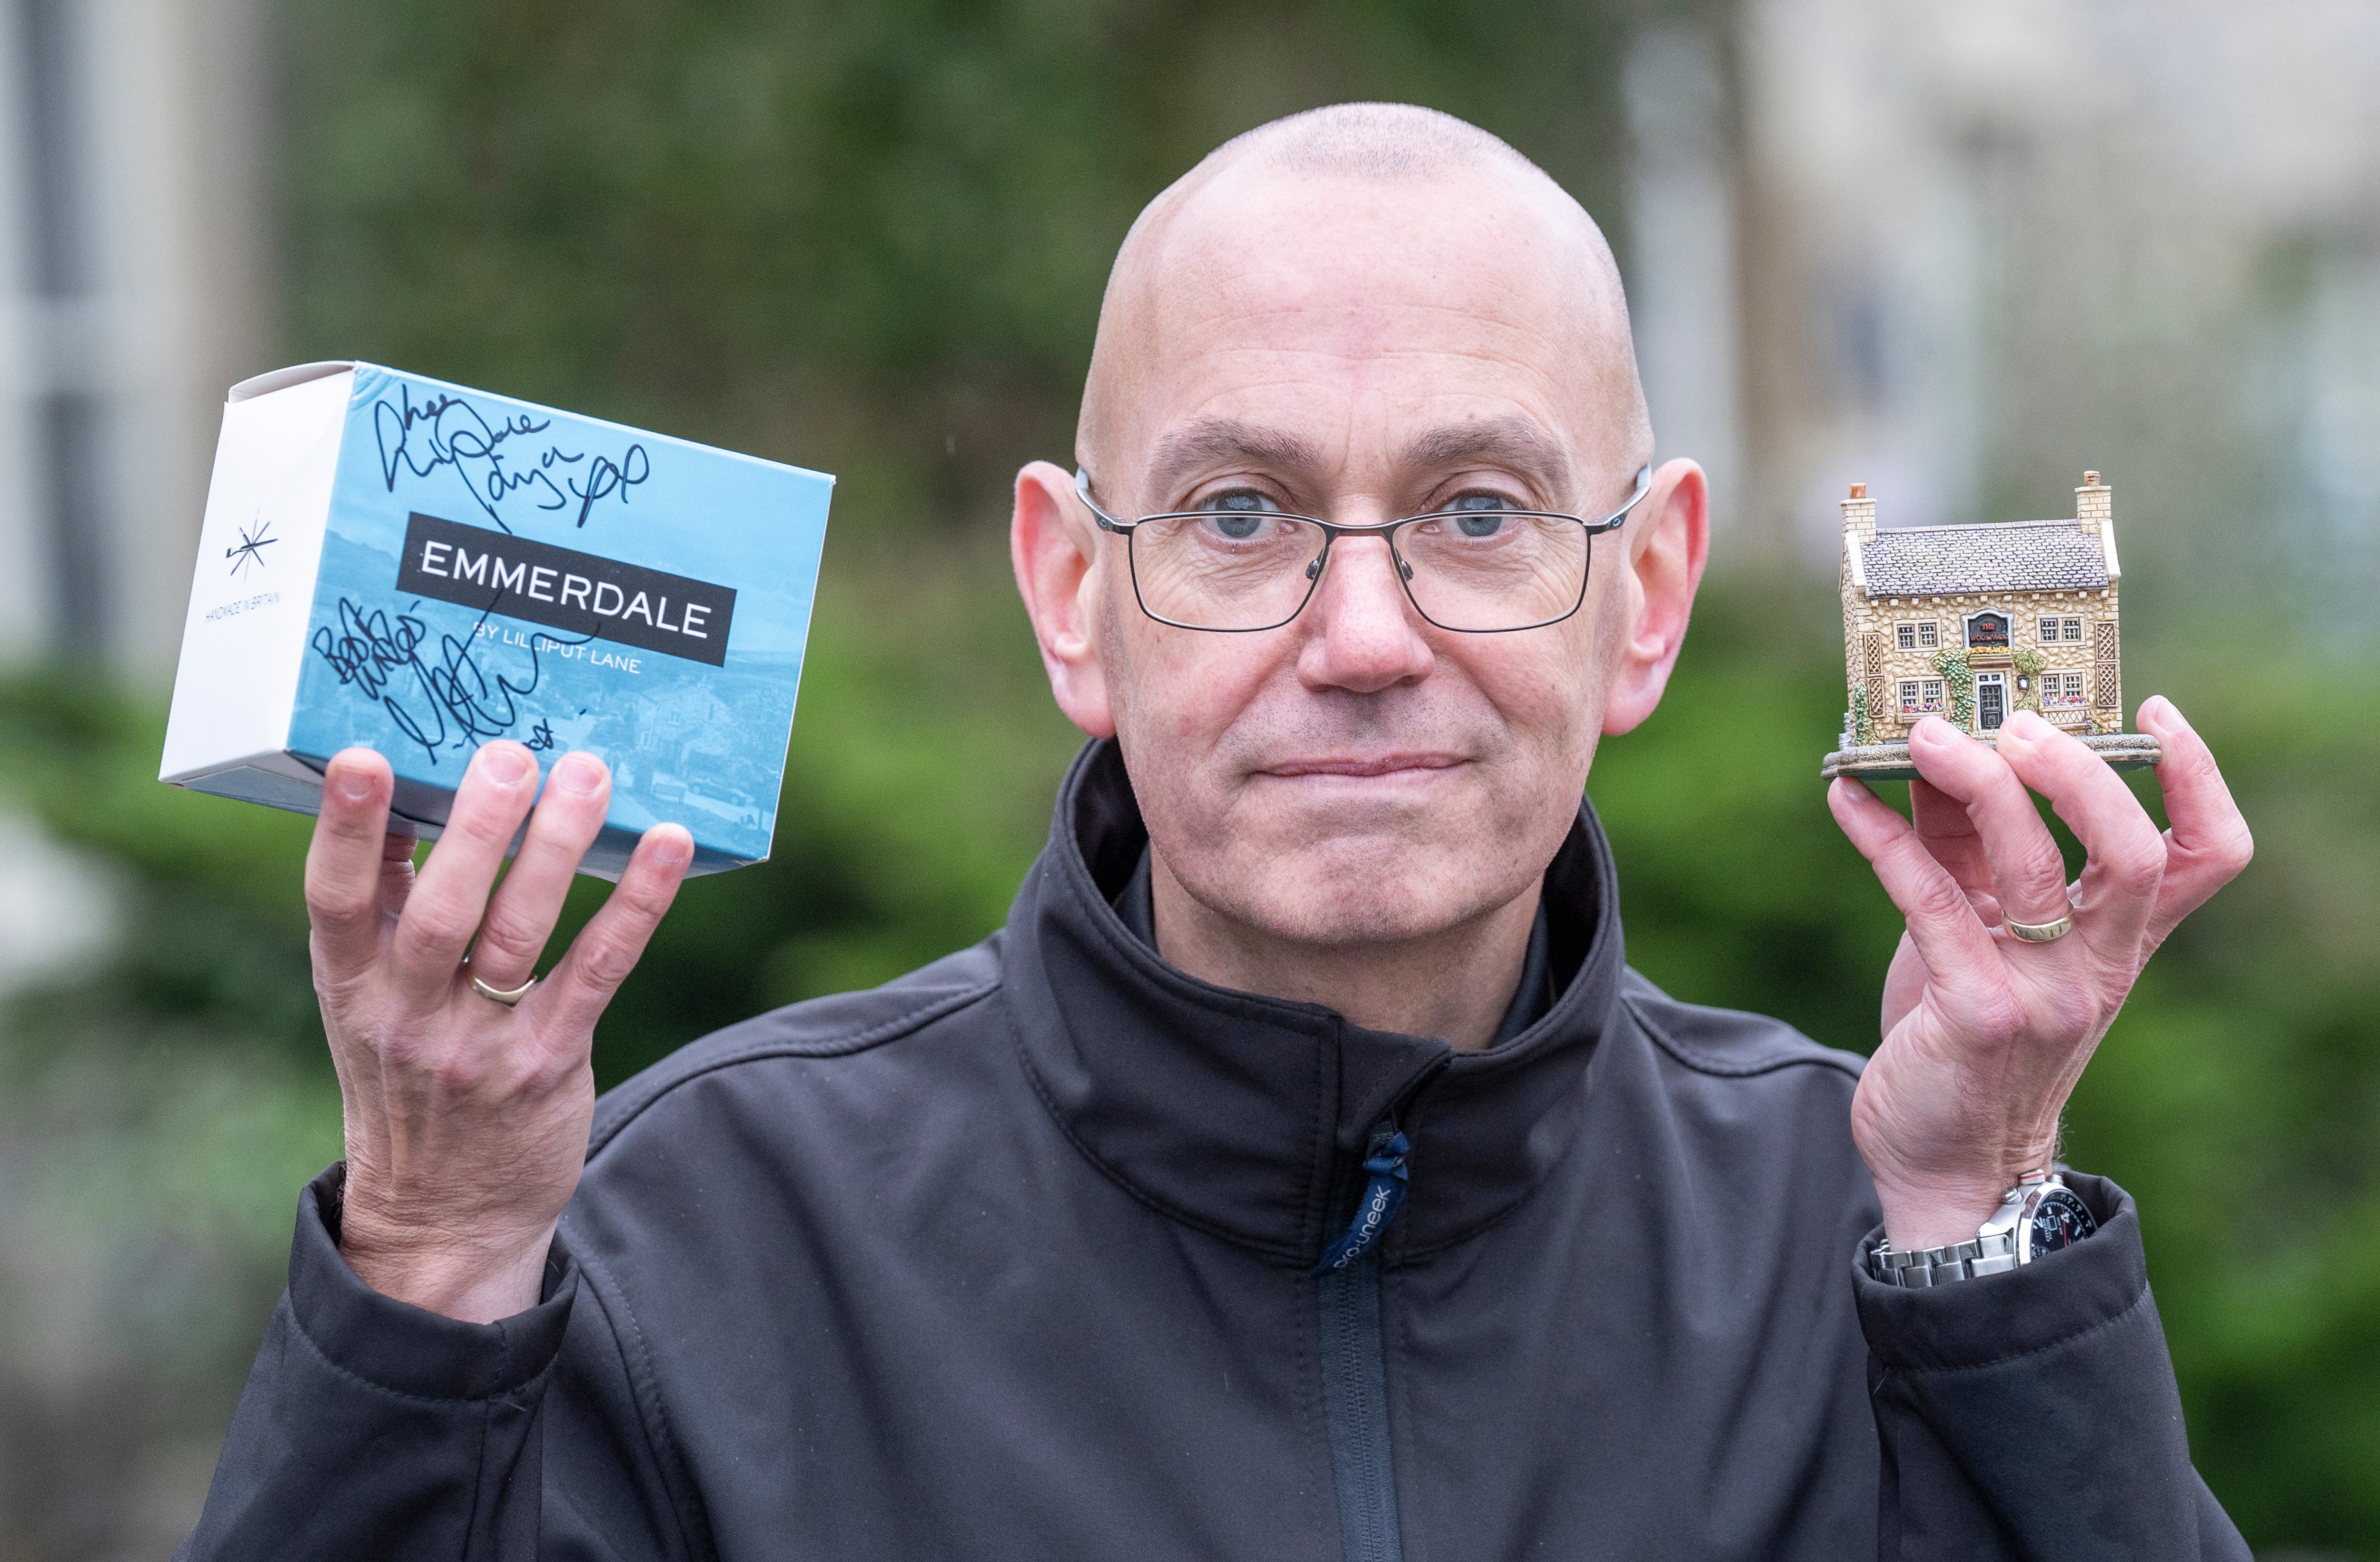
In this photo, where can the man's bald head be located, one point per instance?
(1355, 161)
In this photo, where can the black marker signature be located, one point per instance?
(380, 654)
(252, 545)
(447, 430)
(540, 737)
(604, 478)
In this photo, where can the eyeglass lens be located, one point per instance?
(1479, 570)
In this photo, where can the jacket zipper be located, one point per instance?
(1354, 1370)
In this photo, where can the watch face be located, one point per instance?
(2059, 1220)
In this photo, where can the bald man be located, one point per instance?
(1300, 1173)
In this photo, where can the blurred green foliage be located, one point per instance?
(872, 240)
(869, 239)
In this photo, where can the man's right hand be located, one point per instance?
(466, 1121)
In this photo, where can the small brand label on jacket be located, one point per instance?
(563, 589)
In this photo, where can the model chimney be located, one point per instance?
(2094, 511)
(1859, 514)
(2094, 504)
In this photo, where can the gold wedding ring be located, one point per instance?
(2031, 933)
(499, 995)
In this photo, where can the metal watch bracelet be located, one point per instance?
(1995, 1254)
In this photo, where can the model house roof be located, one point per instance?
(2009, 555)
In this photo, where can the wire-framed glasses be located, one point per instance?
(1478, 569)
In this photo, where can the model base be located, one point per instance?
(1889, 761)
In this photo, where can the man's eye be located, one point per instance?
(1239, 514)
(1476, 514)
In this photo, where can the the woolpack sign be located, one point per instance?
(419, 567)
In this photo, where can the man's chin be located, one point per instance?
(1354, 890)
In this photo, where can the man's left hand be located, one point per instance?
(1985, 1035)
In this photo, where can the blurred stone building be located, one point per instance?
(137, 249)
(1944, 249)
(136, 274)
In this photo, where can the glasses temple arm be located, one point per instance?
(1083, 491)
(1613, 521)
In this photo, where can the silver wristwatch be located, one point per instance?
(2040, 1214)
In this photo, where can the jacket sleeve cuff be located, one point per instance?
(407, 1350)
(1995, 1318)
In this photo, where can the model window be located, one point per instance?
(1905, 635)
(2049, 631)
(1932, 699)
(1928, 637)
(2074, 628)
(2062, 689)
(1908, 692)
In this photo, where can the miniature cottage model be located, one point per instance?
(1973, 623)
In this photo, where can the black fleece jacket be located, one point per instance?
(1014, 1258)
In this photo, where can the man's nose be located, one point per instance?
(1365, 635)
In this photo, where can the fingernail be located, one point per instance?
(504, 765)
(670, 848)
(354, 786)
(2025, 725)
(579, 773)
(1932, 729)
(2164, 710)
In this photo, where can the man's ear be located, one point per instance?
(1669, 542)
(1053, 542)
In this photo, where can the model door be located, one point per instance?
(1991, 700)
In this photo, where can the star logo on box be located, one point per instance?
(253, 540)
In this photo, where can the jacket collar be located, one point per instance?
(1245, 1116)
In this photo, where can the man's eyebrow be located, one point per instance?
(1209, 440)
(1515, 442)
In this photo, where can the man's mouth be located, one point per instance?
(1362, 764)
